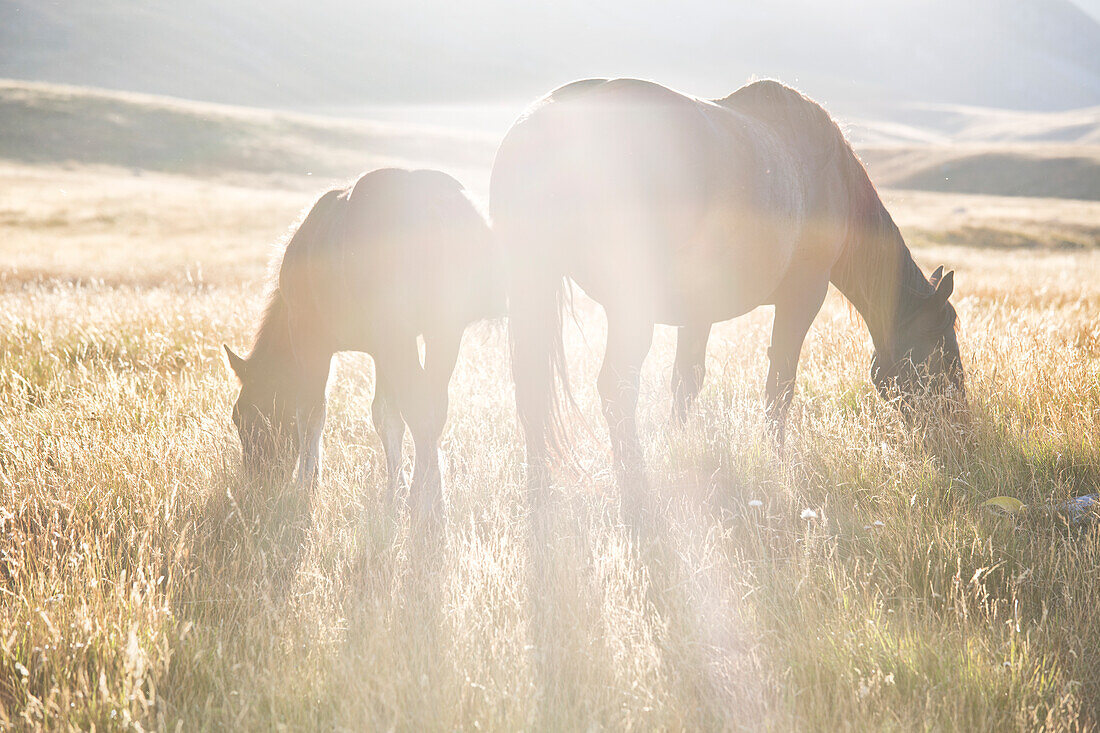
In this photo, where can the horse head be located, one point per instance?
(264, 417)
(922, 357)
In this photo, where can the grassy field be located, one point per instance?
(145, 586)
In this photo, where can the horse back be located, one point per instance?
(626, 181)
(397, 251)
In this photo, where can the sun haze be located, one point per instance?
(549, 366)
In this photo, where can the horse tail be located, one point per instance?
(536, 300)
(537, 297)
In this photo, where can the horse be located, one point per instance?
(667, 208)
(396, 256)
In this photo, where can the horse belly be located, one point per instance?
(690, 263)
(733, 265)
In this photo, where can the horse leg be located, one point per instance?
(628, 342)
(690, 368)
(534, 330)
(309, 377)
(386, 416)
(402, 378)
(310, 418)
(440, 354)
(311, 424)
(794, 312)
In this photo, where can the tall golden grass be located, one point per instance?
(144, 585)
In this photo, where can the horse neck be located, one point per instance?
(876, 271)
(272, 353)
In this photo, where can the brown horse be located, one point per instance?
(670, 209)
(398, 255)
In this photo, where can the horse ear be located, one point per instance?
(236, 363)
(944, 287)
(935, 279)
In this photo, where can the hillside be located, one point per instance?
(1055, 171)
(978, 124)
(45, 123)
(940, 124)
(1031, 54)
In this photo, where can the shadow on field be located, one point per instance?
(242, 556)
(393, 606)
(698, 616)
(249, 541)
(652, 595)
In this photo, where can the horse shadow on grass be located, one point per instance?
(392, 603)
(236, 578)
(641, 585)
(249, 539)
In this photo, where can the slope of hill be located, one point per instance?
(46, 123)
(964, 123)
(1029, 54)
(1055, 171)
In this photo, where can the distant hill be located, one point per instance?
(1054, 171)
(56, 124)
(856, 55)
(943, 123)
(964, 149)
(48, 123)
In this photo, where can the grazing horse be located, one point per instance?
(670, 209)
(398, 255)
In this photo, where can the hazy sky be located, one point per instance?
(1039, 54)
(1092, 7)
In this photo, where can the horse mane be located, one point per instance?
(273, 334)
(876, 271)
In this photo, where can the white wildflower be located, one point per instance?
(808, 513)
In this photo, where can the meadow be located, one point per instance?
(854, 581)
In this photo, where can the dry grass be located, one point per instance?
(144, 585)
(996, 222)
